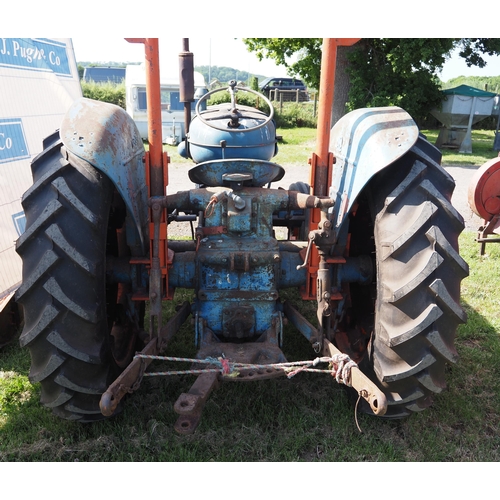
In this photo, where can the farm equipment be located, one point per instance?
(372, 239)
(484, 201)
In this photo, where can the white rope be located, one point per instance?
(340, 366)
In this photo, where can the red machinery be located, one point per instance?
(484, 200)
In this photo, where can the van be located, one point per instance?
(172, 110)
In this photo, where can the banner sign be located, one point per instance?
(35, 54)
(38, 83)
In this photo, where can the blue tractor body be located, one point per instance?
(373, 241)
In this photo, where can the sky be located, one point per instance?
(229, 52)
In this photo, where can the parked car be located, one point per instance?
(287, 87)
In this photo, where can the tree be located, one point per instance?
(382, 71)
(282, 50)
(398, 72)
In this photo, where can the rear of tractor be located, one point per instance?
(372, 239)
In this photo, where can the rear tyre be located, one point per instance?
(70, 312)
(418, 274)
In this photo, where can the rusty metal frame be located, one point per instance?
(130, 379)
(322, 161)
(359, 381)
(156, 165)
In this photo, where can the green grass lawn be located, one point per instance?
(297, 144)
(306, 418)
(482, 148)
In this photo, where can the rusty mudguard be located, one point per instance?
(105, 136)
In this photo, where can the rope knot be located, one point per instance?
(226, 368)
(340, 365)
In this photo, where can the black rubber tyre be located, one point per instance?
(69, 309)
(414, 236)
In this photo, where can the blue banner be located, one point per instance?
(19, 221)
(34, 54)
(12, 140)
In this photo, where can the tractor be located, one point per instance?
(372, 240)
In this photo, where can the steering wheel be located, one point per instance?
(234, 115)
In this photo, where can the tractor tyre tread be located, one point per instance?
(63, 291)
(419, 270)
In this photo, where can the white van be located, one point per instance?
(172, 109)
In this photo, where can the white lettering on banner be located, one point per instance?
(29, 53)
(34, 54)
(5, 142)
(54, 59)
(13, 144)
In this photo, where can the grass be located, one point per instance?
(306, 419)
(297, 144)
(482, 148)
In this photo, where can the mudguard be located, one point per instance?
(106, 136)
(364, 142)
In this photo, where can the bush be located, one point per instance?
(288, 115)
(293, 114)
(254, 83)
(113, 93)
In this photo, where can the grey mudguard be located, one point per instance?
(364, 142)
(105, 136)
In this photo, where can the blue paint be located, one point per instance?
(12, 140)
(35, 54)
(106, 136)
(364, 142)
(19, 221)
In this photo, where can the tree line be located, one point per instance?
(379, 71)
